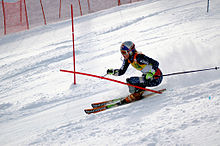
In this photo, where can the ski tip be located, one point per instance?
(95, 105)
(160, 91)
(87, 111)
(95, 110)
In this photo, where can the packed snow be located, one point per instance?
(39, 105)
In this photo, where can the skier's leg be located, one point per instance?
(136, 93)
(133, 97)
(154, 82)
(137, 81)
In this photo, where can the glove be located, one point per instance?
(149, 76)
(150, 72)
(112, 72)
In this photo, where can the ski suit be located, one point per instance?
(142, 63)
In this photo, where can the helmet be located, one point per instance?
(128, 48)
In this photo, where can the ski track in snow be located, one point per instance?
(193, 112)
(39, 105)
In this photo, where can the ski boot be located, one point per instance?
(132, 97)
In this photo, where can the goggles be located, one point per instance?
(124, 53)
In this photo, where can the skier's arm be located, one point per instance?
(121, 71)
(123, 68)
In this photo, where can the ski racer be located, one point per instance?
(152, 76)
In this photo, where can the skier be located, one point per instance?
(152, 76)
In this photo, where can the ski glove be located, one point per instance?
(112, 72)
(149, 76)
(150, 72)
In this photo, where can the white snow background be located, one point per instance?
(39, 105)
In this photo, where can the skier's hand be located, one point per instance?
(112, 72)
(149, 76)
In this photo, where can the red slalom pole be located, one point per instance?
(80, 7)
(25, 8)
(86, 74)
(21, 11)
(45, 22)
(3, 9)
(60, 9)
(119, 2)
(74, 59)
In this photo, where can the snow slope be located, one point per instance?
(39, 105)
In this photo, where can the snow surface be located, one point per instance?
(39, 105)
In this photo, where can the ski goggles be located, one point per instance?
(124, 53)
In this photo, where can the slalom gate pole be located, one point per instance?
(185, 72)
(74, 56)
(101, 77)
(42, 8)
(21, 12)
(26, 15)
(60, 9)
(208, 6)
(4, 15)
(80, 8)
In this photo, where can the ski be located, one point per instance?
(102, 106)
(98, 104)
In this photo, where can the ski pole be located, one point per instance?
(185, 72)
(105, 75)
